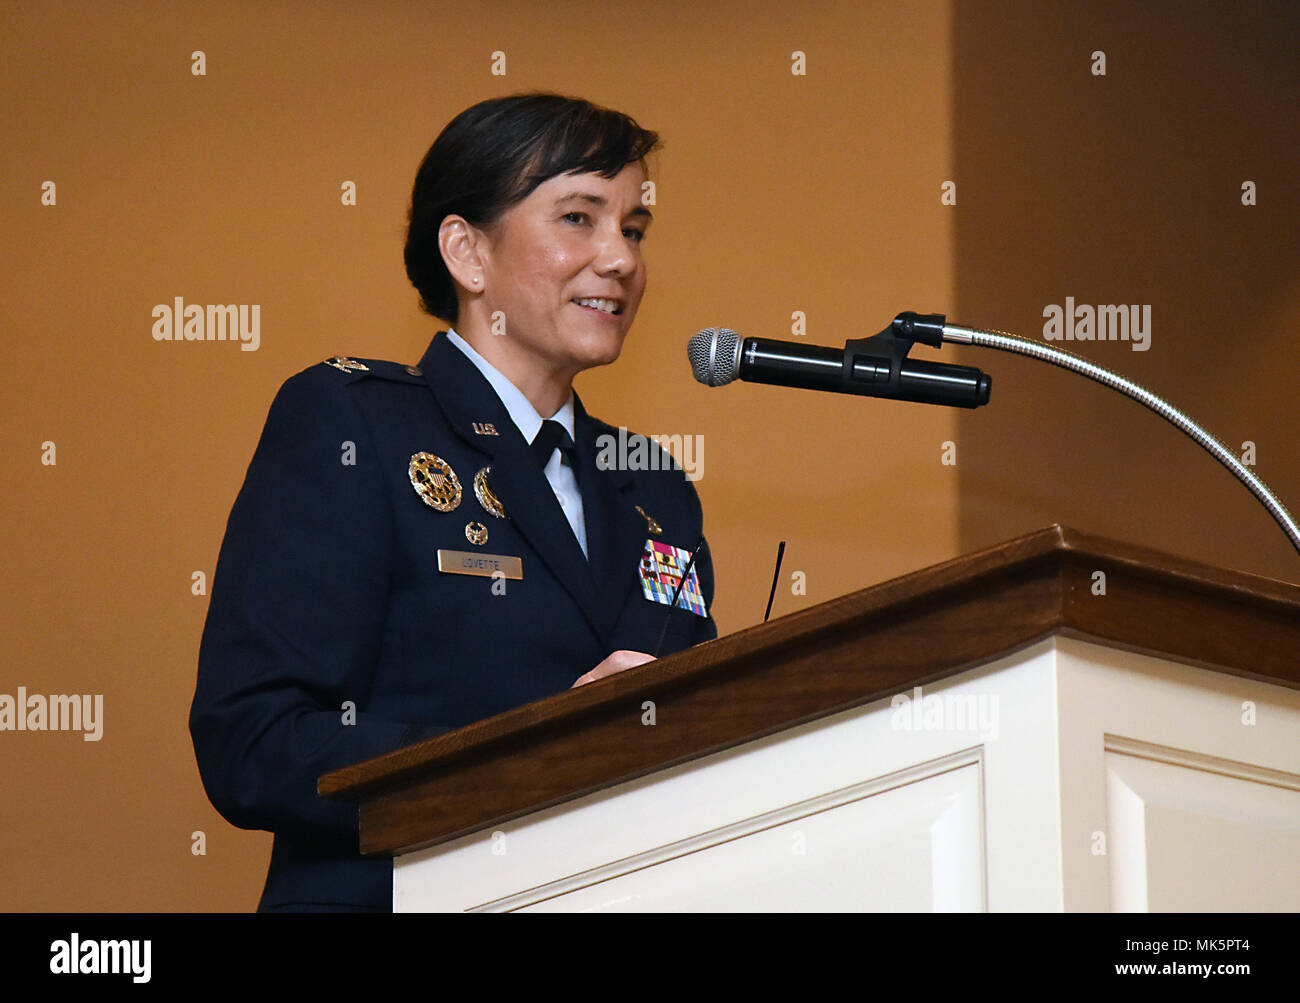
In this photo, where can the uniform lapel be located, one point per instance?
(616, 533)
(468, 400)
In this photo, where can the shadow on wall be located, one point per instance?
(1126, 188)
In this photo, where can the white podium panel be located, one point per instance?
(1185, 837)
(829, 855)
(1040, 781)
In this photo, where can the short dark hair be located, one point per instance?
(492, 156)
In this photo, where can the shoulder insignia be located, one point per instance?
(359, 368)
(344, 364)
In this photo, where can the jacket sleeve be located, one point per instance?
(296, 618)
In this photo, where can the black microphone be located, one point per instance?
(871, 367)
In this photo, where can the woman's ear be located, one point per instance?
(463, 248)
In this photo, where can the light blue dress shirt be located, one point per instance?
(563, 480)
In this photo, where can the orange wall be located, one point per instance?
(776, 193)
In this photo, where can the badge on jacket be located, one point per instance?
(661, 570)
(434, 481)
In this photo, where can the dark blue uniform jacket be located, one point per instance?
(327, 591)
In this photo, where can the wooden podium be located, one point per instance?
(1060, 722)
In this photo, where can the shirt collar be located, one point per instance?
(519, 407)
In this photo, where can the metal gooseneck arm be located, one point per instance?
(1006, 342)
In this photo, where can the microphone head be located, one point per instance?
(715, 355)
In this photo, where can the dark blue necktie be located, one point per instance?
(549, 436)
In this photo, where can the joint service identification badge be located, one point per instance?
(434, 481)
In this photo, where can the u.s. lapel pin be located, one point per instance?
(476, 533)
(434, 481)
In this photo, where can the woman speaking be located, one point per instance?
(417, 547)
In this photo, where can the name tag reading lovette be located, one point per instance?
(661, 570)
(465, 562)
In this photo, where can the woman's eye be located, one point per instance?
(631, 232)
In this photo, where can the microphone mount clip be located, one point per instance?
(883, 353)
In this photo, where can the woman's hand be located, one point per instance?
(615, 662)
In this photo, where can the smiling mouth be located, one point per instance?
(601, 305)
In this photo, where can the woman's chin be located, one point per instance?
(600, 351)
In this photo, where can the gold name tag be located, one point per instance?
(465, 562)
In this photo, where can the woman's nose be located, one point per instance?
(615, 254)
